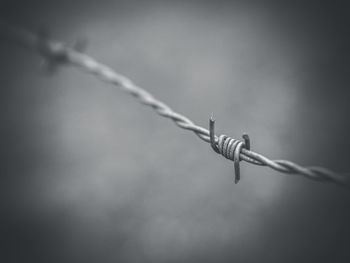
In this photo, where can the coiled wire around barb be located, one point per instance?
(235, 150)
(228, 147)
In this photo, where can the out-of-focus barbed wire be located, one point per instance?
(56, 54)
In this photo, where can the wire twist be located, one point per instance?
(228, 147)
(235, 150)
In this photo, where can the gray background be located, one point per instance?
(89, 175)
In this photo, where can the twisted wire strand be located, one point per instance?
(235, 150)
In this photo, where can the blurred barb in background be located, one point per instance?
(89, 175)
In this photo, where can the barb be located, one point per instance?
(228, 147)
(235, 150)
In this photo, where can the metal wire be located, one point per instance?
(57, 53)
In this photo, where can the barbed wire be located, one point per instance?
(57, 53)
